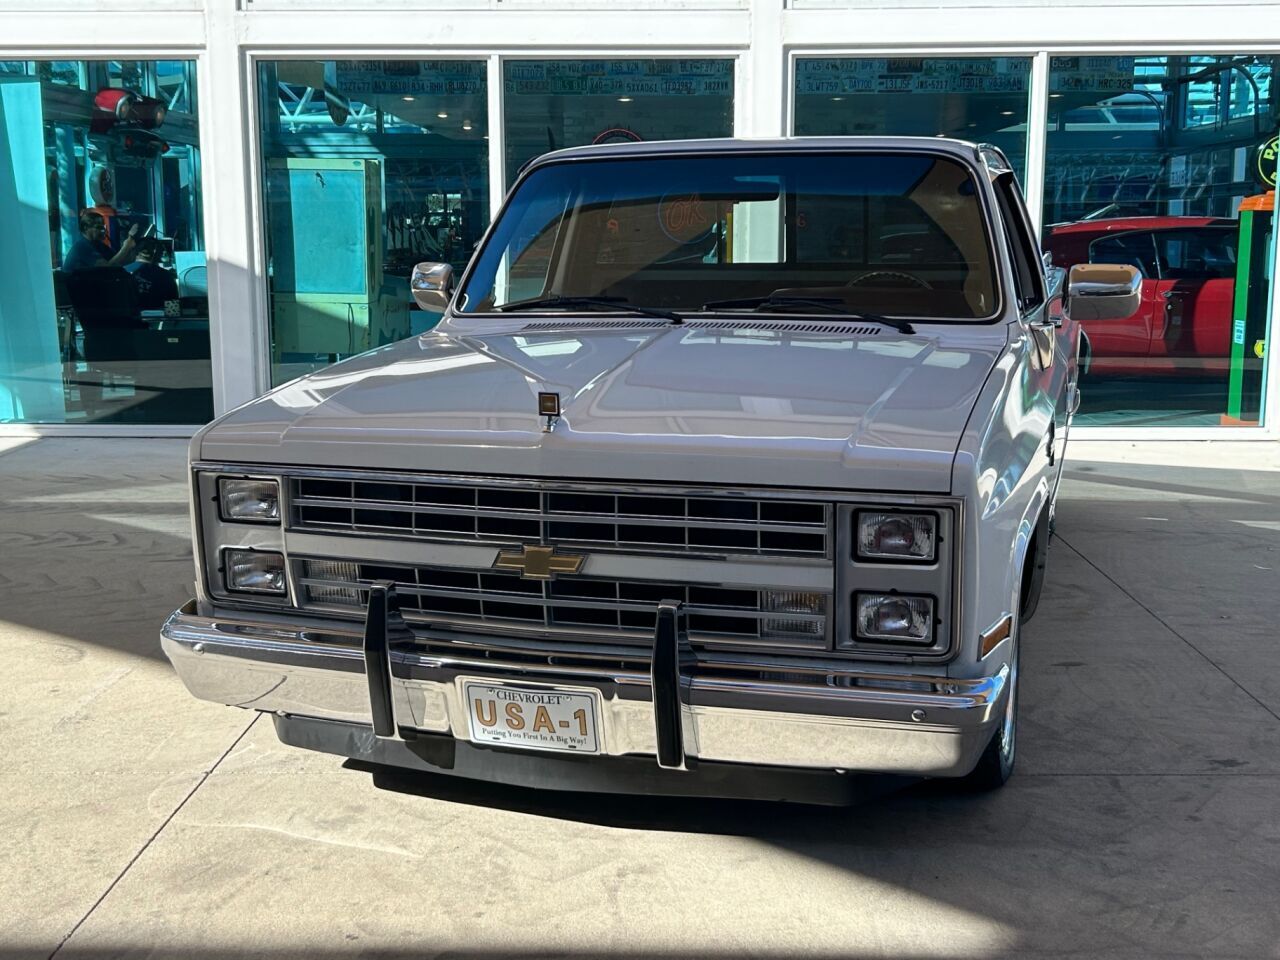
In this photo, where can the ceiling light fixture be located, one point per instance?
(407, 99)
(442, 115)
(466, 124)
(624, 99)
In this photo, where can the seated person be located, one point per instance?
(155, 283)
(92, 249)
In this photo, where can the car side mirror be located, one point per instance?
(431, 284)
(1103, 291)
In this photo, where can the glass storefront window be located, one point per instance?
(371, 166)
(550, 104)
(973, 98)
(104, 312)
(1160, 162)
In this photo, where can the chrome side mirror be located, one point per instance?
(1103, 291)
(431, 285)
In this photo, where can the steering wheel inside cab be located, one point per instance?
(889, 278)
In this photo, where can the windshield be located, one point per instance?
(896, 234)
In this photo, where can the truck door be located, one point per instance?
(1054, 366)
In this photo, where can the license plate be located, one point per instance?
(539, 718)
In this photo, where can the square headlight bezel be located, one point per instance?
(940, 580)
(220, 482)
(877, 558)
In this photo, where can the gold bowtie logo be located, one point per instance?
(538, 563)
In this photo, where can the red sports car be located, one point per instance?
(1189, 270)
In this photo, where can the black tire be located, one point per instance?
(995, 766)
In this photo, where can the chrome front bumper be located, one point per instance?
(860, 722)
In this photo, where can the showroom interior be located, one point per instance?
(285, 163)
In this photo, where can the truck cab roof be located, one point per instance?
(647, 148)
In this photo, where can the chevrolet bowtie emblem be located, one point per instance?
(538, 563)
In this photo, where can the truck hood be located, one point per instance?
(740, 403)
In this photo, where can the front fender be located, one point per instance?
(1003, 472)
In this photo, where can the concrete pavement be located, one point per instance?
(1141, 822)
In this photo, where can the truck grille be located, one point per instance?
(487, 513)
(593, 606)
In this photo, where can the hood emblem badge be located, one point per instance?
(549, 407)
(538, 563)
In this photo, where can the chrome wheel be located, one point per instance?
(995, 765)
(1008, 733)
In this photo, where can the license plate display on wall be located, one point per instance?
(538, 718)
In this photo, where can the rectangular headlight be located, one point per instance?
(254, 571)
(896, 535)
(242, 500)
(893, 618)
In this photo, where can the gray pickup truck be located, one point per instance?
(729, 469)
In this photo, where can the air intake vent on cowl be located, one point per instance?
(744, 326)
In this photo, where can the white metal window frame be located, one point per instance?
(764, 37)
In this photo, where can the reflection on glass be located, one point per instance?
(71, 73)
(371, 166)
(972, 98)
(885, 233)
(106, 190)
(128, 75)
(551, 104)
(175, 84)
(1161, 162)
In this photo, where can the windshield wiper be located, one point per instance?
(830, 305)
(612, 303)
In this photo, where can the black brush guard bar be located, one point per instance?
(671, 666)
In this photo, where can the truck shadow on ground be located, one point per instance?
(764, 819)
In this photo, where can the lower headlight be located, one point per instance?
(893, 618)
(253, 571)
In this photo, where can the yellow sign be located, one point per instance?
(1260, 349)
(538, 563)
(1266, 160)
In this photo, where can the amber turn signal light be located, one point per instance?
(991, 639)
